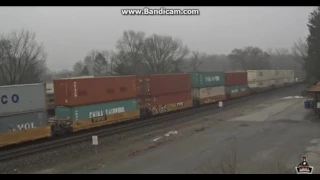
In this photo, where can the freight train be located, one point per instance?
(85, 103)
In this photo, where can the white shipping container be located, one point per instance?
(274, 74)
(49, 88)
(282, 74)
(281, 81)
(259, 75)
(260, 84)
(208, 92)
(17, 99)
(291, 80)
(277, 74)
(289, 73)
(79, 77)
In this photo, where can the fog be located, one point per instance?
(69, 33)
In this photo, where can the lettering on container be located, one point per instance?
(25, 126)
(234, 90)
(76, 115)
(5, 99)
(212, 78)
(243, 89)
(160, 109)
(75, 89)
(101, 115)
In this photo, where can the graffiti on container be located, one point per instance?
(212, 78)
(180, 103)
(206, 91)
(24, 126)
(160, 109)
(99, 119)
(100, 115)
(209, 101)
(7, 99)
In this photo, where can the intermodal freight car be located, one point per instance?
(95, 115)
(23, 115)
(208, 87)
(236, 84)
(85, 103)
(158, 94)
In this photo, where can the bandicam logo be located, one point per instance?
(303, 167)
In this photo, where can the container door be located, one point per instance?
(143, 90)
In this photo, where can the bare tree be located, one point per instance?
(282, 52)
(163, 54)
(300, 51)
(122, 65)
(77, 68)
(89, 60)
(249, 58)
(22, 59)
(65, 73)
(100, 65)
(196, 60)
(128, 59)
(85, 71)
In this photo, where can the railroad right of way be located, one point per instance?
(135, 126)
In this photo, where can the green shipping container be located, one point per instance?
(95, 110)
(235, 89)
(207, 79)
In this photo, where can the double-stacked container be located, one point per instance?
(259, 80)
(277, 78)
(208, 87)
(164, 93)
(236, 84)
(93, 102)
(23, 115)
(289, 75)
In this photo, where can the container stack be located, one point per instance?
(260, 80)
(23, 113)
(208, 87)
(277, 78)
(164, 93)
(289, 76)
(93, 102)
(236, 84)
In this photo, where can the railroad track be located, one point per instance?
(107, 131)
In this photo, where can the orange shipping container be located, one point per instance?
(76, 92)
(236, 78)
(163, 84)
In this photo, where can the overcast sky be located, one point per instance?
(69, 33)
